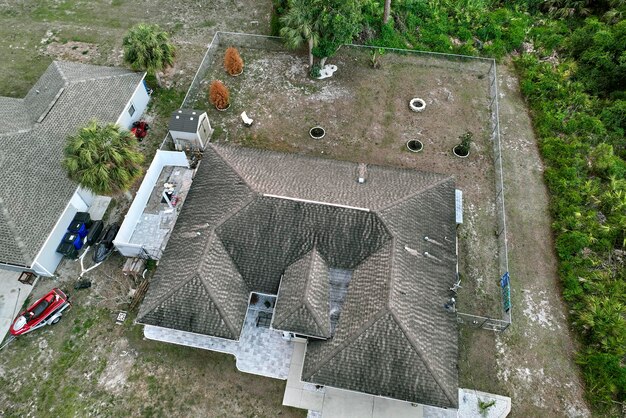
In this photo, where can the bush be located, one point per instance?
(232, 61)
(606, 377)
(219, 95)
(315, 71)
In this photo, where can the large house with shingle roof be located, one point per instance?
(37, 199)
(283, 224)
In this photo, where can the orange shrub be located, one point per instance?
(232, 61)
(218, 94)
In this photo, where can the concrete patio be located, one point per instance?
(260, 350)
(155, 223)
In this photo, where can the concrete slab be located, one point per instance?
(13, 294)
(99, 207)
(469, 407)
(345, 404)
(384, 407)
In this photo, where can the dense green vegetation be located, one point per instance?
(571, 58)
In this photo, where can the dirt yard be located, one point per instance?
(86, 365)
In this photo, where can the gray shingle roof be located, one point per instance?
(393, 337)
(185, 120)
(302, 306)
(14, 116)
(36, 188)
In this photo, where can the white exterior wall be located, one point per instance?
(161, 159)
(139, 101)
(190, 136)
(48, 259)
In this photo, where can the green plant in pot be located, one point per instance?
(462, 149)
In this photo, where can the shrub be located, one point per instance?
(232, 61)
(218, 94)
(315, 71)
(463, 148)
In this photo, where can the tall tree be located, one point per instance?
(301, 25)
(103, 159)
(387, 12)
(148, 48)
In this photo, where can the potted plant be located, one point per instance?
(462, 149)
(233, 62)
(218, 95)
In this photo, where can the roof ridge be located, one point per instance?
(348, 341)
(422, 356)
(18, 132)
(316, 318)
(220, 310)
(237, 172)
(392, 259)
(160, 300)
(230, 214)
(289, 313)
(60, 71)
(107, 77)
(416, 193)
(4, 212)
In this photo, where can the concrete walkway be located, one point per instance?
(13, 294)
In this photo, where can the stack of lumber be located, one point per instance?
(134, 267)
(139, 294)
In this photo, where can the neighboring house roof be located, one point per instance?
(35, 188)
(185, 120)
(302, 305)
(251, 217)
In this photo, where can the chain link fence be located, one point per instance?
(486, 66)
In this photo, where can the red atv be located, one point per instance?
(46, 311)
(140, 129)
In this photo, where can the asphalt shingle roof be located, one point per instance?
(302, 305)
(185, 120)
(396, 232)
(36, 188)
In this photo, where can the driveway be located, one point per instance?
(12, 297)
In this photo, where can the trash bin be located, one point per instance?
(79, 228)
(83, 217)
(74, 239)
(67, 249)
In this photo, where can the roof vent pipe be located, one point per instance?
(362, 173)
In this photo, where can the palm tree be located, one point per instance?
(148, 48)
(300, 25)
(103, 159)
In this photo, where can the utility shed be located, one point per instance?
(190, 129)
